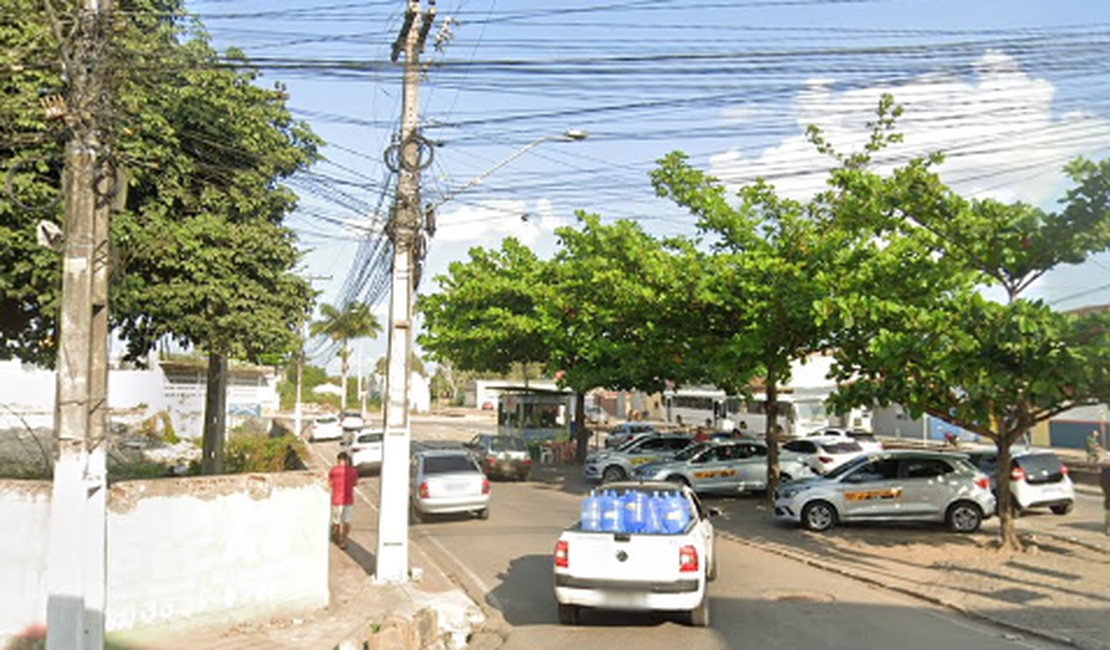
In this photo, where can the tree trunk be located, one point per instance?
(582, 436)
(1007, 506)
(771, 413)
(343, 354)
(215, 415)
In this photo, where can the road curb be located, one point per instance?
(906, 591)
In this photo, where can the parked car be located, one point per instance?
(727, 466)
(867, 440)
(365, 448)
(616, 465)
(447, 481)
(501, 456)
(596, 415)
(825, 453)
(325, 427)
(1037, 478)
(624, 431)
(896, 485)
(351, 420)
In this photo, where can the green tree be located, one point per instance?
(915, 328)
(199, 251)
(767, 267)
(484, 317)
(343, 325)
(616, 310)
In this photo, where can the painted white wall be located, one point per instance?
(25, 511)
(180, 551)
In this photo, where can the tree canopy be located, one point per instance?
(199, 251)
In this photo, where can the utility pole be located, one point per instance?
(297, 415)
(76, 547)
(405, 231)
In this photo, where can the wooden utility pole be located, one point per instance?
(76, 548)
(405, 231)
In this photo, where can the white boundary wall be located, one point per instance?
(180, 551)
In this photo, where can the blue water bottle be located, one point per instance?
(591, 512)
(612, 512)
(635, 511)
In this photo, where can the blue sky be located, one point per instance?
(1010, 89)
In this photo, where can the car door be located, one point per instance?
(750, 463)
(927, 488)
(872, 491)
(710, 469)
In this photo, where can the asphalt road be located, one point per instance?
(761, 600)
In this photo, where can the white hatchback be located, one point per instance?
(365, 449)
(325, 427)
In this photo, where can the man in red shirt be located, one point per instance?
(343, 479)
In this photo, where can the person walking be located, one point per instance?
(1094, 449)
(343, 478)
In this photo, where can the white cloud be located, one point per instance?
(995, 125)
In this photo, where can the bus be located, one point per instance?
(711, 407)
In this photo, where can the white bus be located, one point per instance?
(711, 407)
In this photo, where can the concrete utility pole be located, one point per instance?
(405, 227)
(76, 551)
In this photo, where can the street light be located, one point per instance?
(571, 135)
(392, 556)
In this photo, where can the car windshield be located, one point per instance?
(847, 467)
(448, 464)
(1038, 463)
(846, 447)
(506, 444)
(691, 451)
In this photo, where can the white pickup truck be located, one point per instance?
(656, 568)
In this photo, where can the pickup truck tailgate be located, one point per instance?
(623, 557)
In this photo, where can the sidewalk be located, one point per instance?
(357, 605)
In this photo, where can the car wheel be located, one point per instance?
(1062, 509)
(699, 616)
(483, 513)
(818, 516)
(612, 473)
(678, 479)
(568, 614)
(964, 517)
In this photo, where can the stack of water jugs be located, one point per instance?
(635, 511)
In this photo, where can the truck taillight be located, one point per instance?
(485, 486)
(562, 554)
(687, 559)
(1017, 474)
(424, 490)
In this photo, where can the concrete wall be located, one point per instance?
(25, 513)
(181, 551)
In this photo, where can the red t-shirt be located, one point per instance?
(343, 479)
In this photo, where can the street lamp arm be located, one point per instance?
(573, 135)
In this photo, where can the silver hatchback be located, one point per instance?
(899, 485)
(447, 481)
